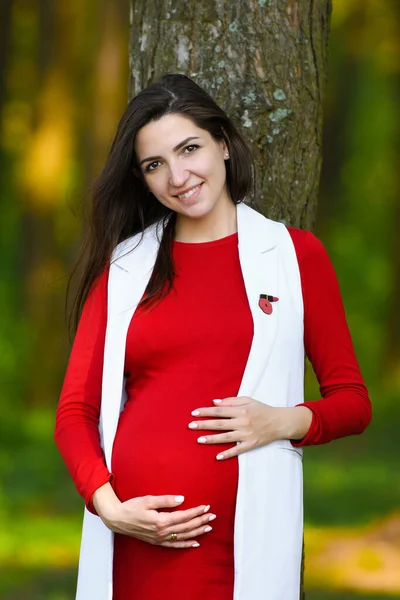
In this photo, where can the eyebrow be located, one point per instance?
(178, 147)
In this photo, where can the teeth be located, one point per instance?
(190, 193)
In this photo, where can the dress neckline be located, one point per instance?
(232, 238)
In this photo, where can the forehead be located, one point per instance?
(165, 134)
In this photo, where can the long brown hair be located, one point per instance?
(121, 204)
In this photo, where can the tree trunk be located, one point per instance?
(264, 62)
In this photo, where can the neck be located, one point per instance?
(219, 223)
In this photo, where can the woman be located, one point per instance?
(196, 312)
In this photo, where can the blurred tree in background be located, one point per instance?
(63, 86)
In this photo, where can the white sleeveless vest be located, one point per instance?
(269, 508)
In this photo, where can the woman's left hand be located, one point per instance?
(249, 422)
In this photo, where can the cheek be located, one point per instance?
(156, 184)
(211, 167)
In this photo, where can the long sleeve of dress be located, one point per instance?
(344, 408)
(77, 417)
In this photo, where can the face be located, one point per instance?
(177, 157)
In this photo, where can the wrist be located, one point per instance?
(106, 502)
(297, 422)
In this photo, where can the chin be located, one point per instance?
(197, 211)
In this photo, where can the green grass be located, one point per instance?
(31, 584)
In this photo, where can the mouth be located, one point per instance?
(190, 193)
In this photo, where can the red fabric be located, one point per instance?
(154, 451)
(78, 413)
(180, 356)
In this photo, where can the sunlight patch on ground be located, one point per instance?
(366, 558)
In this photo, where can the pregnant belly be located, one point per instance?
(155, 453)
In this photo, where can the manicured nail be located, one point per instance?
(212, 517)
(202, 440)
(207, 529)
(207, 508)
(193, 425)
(220, 456)
(195, 413)
(195, 545)
(179, 498)
(217, 401)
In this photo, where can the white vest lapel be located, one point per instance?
(258, 259)
(130, 271)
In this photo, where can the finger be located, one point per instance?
(191, 535)
(235, 451)
(180, 545)
(232, 401)
(222, 412)
(182, 516)
(216, 425)
(192, 525)
(167, 501)
(222, 438)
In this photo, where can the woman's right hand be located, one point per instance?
(139, 517)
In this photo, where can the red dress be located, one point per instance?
(191, 348)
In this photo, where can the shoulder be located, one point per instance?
(250, 217)
(257, 231)
(149, 235)
(307, 246)
(126, 246)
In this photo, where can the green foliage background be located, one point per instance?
(62, 89)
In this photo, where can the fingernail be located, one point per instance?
(192, 425)
(207, 529)
(217, 401)
(220, 456)
(207, 508)
(195, 545)
(179, 498)
(212, 517)
(202, 440)
(195, 413)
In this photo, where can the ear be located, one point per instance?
(136, 173)
(225, 151)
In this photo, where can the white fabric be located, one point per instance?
(269, 509)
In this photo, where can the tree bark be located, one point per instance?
(264, 62)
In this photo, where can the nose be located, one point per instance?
(177, 174)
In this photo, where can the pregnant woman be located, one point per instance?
(182, 417)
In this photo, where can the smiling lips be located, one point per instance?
(190, 193)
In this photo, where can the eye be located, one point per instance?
(149, 169)
(195, 146)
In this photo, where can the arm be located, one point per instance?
(77, 417)
(77, 437)
(344, 408)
